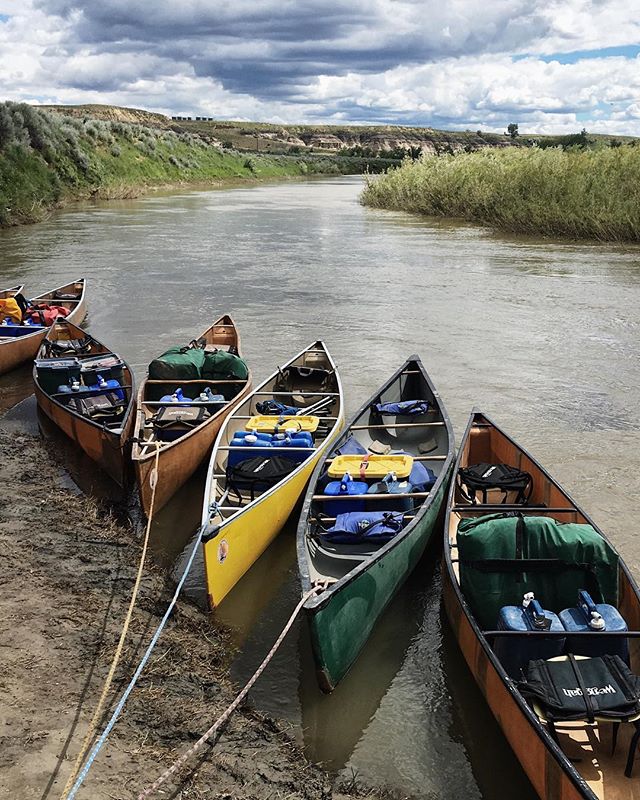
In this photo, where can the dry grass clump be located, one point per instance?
(582, 194)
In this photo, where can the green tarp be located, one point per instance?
(221, 365)
(490, 580)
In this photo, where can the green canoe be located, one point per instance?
(360, 574)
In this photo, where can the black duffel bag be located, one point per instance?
(514, 484)
(259, 473)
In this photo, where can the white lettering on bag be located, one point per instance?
(592, 691)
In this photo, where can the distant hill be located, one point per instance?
(267, 137)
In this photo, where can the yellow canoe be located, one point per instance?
(238, 521)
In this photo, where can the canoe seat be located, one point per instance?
(592, 713)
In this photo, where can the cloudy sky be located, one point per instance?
(549, 65)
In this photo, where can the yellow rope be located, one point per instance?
(153, 481)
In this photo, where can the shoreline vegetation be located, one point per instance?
(584, 191)
(48, 159)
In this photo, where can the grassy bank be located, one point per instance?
(47, 159)
(583, 194)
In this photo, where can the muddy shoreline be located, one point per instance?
(68, 570)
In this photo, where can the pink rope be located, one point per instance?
(225, 716)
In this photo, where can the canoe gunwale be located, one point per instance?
(318, 602)
(331, 439)
(452, 585)
(143, 458)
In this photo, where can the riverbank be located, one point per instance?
(68, 572)
(49, 159)
(578, 194)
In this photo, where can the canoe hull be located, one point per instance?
(108, 450)
(340, 628)
(243, 540)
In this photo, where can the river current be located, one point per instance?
(541, 335)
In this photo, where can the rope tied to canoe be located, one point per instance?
(317, 588)
(95, 719)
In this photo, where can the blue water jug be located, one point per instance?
(176, 397)
(267, 437)
(73, 387)
(345, 487)
(111, 385)
(515, 652)
(391, 485)
(301, 439)
(245, 439)
(214, 402)
(589, 616)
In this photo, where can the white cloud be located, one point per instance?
(448, 65)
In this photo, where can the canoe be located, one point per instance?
(238, 527)
(179, 459)
(580, 765)
(16, 350)
(362, 578)
(105, 435)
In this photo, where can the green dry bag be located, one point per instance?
(178, 364)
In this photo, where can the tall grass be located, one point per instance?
(583, 194)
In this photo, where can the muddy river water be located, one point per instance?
(541, 335)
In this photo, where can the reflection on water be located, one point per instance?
(541, 335)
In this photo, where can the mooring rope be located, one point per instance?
(136, 675)
(240, 697)
(153, 481)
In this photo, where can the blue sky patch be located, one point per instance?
(626, 51)
(4, 17)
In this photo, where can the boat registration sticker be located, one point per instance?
(223, 551)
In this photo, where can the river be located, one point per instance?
(542, 335)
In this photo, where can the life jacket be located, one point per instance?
(10, 308)
(44, 314)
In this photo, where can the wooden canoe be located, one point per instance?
(107, 442)
(363, 578)
(238, 529)
(178, 460)
(16, 350)
(592, 771)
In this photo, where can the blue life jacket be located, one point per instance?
(357, 527)
(408, 407)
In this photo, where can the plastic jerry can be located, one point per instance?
(515, 652)
(595, 617)
(111, 385)
(390, 485)
(343, 488)
(214, 402)
(176, 397)
(246, 439)
(298, 440)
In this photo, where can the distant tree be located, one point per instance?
(512, 129)
(478, 133)
(615, 143)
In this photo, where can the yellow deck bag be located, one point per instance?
(371, 466)
(10, 308)
(268, 424)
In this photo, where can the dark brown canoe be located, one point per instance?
(107, 442)
(178, 460)
(554, 776)
(16, 350)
